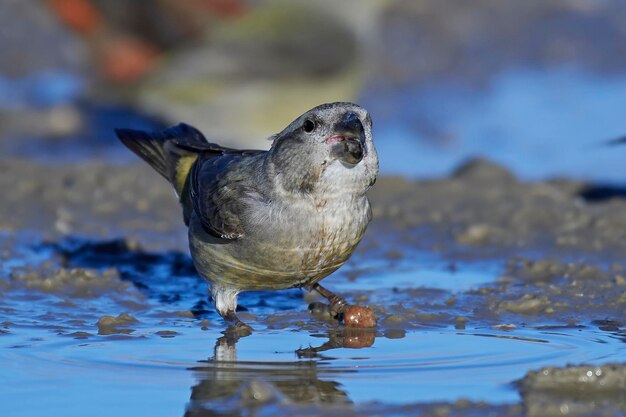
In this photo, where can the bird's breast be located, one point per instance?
(286, 246)
(318, 237)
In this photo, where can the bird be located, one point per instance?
(273, 219)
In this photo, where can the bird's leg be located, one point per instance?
(231, 317)
(337, 303)
(226, 303)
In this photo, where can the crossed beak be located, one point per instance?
(348, 141)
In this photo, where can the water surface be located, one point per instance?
(175, 357)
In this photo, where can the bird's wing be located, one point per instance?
(217, 189)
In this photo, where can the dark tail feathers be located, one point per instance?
(170, 152)
(148, 146)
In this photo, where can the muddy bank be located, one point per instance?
(481, 207)
(575, 390)
(96, 200)
(96, 255)
(484, 207)
(559, 251)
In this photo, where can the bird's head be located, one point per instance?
(327, 149)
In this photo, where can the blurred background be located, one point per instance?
(538, 86)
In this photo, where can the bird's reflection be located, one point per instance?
(229, 387)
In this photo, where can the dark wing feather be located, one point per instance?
(217, 190)
(188, 137)
(200, 172)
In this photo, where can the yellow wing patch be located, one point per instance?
(183, 166)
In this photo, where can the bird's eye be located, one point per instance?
(308, 126)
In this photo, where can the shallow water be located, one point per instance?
(97, 373)
(419, 269)
(174, 357)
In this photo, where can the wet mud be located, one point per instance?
(96, 254)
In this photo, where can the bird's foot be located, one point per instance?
(237, 328)
(337, 306)
(339, 309)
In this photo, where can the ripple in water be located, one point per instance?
(425, 366)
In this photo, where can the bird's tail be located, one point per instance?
(171, 152)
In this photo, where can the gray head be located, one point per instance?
(328, 149)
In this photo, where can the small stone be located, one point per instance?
(115, 325)
(167, 333)
(459, 322)
(505, 327)
(476, 234)
(395, 319)
(120, 320)
(395, 334)
(451, 301)
(358, 316)
(80, 335)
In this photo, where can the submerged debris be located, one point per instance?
(116, 325)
